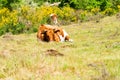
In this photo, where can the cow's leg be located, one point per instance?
(66, 36)
(68, 39)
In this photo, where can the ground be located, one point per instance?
(93, 55)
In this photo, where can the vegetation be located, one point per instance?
(94, 54)
(24, 16)
(90, 4)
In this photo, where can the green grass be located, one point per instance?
(94, 54)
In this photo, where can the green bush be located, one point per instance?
(109, 11)
(19, 28)
(89, 4)
(10, 4)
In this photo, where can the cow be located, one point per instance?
(50, 33)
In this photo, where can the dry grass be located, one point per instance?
(94, 54)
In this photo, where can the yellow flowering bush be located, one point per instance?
(7, 17)
(83, 15)
(25, 11)
(9, 21)
(95, 10)
(42, 14)
(45, 11)
(3, 16)
(37, 15)
(28, 18)
(118, 6)
(68, 12)
(109, 11)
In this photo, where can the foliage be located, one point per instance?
(8, 19)
(90, 4)
(95, 10)
(83, 16)
(28, 15)
(109, 11)
(9, 3)
(10, 22)
(29, 18)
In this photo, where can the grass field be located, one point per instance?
(93, 55)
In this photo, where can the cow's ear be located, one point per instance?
(56, 30)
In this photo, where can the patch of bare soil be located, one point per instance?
(53, 52)
(8, 36)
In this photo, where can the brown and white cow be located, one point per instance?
(51, 33)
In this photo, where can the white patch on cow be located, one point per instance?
(65, 33)
(61, 38)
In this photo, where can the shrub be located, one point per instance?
(41, 15)
(118, 7)
(95, 10)
(7, 19)
(83, 15)
(68, 13)
(10, 22)
(27, 19)
(9, 4)
(90, 4)
(109, 11)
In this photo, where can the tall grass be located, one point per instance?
(94, 54)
